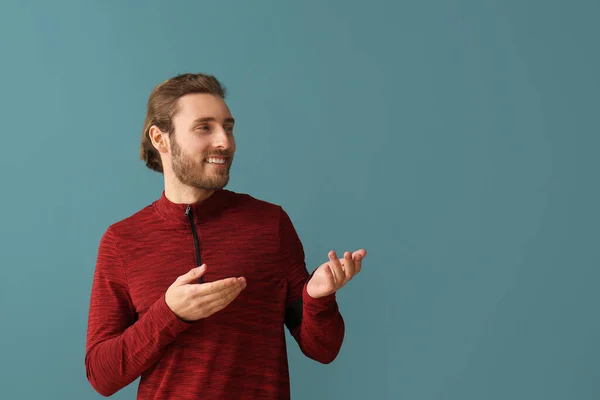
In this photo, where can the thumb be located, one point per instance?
(191, 276)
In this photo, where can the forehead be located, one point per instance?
(201, 105)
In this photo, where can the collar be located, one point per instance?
(175, 212)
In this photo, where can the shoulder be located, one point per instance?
(259, 215)
(248, 201)
(128, 225)
(263, 212)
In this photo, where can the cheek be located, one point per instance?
(196, 147)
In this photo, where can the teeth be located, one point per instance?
(216, 160)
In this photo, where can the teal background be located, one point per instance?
(456, 141)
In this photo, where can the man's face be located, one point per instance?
(202, 144)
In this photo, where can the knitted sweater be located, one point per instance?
(236, 353)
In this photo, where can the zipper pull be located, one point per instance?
(187, 210)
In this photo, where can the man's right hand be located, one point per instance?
(192, 301)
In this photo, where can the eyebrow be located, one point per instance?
(212, 119)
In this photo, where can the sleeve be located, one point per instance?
(316, 324)
(119, 346)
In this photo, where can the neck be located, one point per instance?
(179, 193)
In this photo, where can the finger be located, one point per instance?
(358, 256)
(362, 252)
(191, 275)
(217, 286)
(329, 276)
(336, 268)
(209, 298)
(223, 301)
(349, 267)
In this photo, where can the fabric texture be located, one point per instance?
(236, 353)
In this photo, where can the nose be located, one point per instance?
(223, 139)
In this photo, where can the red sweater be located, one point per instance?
(238, 352)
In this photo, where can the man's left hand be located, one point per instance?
(335, 273)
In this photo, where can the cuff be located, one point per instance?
(165, 320)
(323, 305)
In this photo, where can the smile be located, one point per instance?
(216, 160)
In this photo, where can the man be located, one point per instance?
(193, 292)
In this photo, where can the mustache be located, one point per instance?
(219, 153)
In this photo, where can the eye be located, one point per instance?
(202, 127)
(229, 128)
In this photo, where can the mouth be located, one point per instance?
(218, 161)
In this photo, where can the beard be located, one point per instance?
(200, 174)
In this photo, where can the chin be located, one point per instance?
(221, 184)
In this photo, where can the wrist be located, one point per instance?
(312, 292)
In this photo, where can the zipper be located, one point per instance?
(190, 215)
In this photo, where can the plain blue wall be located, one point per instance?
(456, 140)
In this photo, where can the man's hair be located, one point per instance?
(162, 107)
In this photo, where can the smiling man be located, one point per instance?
(193, 293)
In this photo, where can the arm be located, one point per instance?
(316, 324)
(119, 346)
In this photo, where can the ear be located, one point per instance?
(159, 139)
